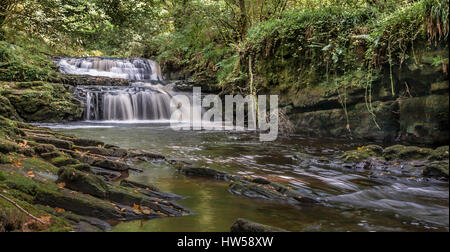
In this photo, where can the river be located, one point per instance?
(352, 201)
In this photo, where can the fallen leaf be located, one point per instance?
(59, 210)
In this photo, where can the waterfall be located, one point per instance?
(132, 69)
(141, 100)
(126, 103)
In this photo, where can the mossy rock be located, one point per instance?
(59, 159)
(53, 154)
(83, 182)
(44, 148)
(441, 153)
(362, 153)
(63, 161)
(14, 220)
(63, 144)
(8, 146)
(7, 110)
(437, 170)
(408, 153)
(81, 167)
(43, 102)
(4, 159)
(38, 164)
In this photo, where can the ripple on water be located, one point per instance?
(356, 201)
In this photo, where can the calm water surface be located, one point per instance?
(353, 201)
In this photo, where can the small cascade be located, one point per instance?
(125, 103)
(132, 69)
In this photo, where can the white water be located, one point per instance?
(132, 69)
(141, 101)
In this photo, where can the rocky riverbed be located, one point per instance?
(71, 183)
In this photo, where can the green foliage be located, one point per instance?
(23, 63)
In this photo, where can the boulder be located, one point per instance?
(150, 190)
(438, 169)
(83, 182)
(400, 152)
(111, 165)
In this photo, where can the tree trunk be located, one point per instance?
(243, 22)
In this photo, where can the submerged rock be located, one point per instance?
(150, 190)
(190, 169)
(245, 226)
(264, 189)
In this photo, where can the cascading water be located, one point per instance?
(126, 103)
(132, 69)
(142, 100)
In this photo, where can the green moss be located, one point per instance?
(37, 164)
(4, 159)
(20, 64)
(437, 170)
(8, 146)
(12, 219)
(362, 153)
(441, 153)
(63, 161)
(400, 152)
(83, 182)
(42, 101)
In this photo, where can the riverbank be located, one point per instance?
(72, 184)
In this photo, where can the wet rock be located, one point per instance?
(82, 167)
(245, 226)
(112, 165)
(270, 191)
(53, 141)
(85, 80)
(438, 169)
(441, 153)
(150, 190)
(137, 198)
(59, 159)
(96, 150)
(87, 142)
(108, 175)
(82, 205)
(144, 155)
(197, 171)
(424, 119)
(83, 182)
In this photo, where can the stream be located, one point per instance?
(354, 200)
